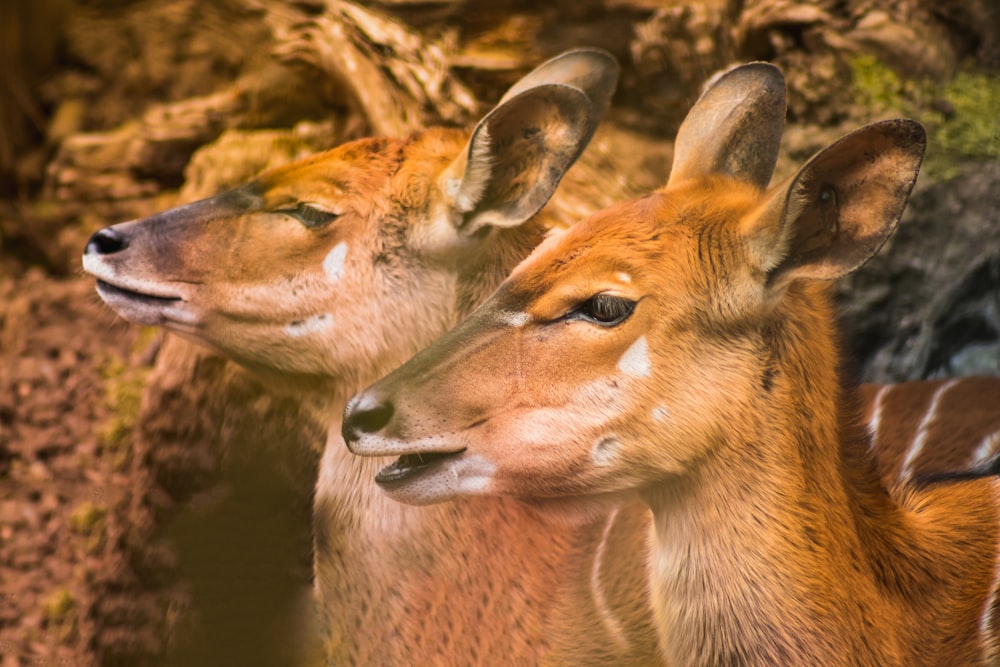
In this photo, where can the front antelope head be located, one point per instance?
(627, 349)
(354, 258)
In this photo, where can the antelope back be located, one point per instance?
(604, 346)
(347, 261)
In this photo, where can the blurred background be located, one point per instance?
(154, 498)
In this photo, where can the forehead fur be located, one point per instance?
(356, 163)
(425, 155)
(365, 169)
(644, 237)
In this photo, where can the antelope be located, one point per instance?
(679, 350)
(235, 274)
(324, 274)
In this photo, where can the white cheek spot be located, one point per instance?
(475, 475)
(333, 265)
(635, 361)
(660, 413)
(514, 319)
(605, 450)
(180, 315)
(623, 277)
(309, 325)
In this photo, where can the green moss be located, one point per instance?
(973, 131)
(58, 606)
(123, 395)
(962, 117)
(86, 517)
(877, 86)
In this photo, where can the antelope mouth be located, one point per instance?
(142, 307)
(409, 467)
(113, 292)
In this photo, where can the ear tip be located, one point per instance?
(916, 133)
(906, 133)
(597, 72)
(597, 57)
(758, 75)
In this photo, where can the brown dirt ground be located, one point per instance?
(61, 461)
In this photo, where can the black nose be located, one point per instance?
(366, 413)
(106, 241)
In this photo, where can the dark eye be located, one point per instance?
(604, 309)
(309, 216)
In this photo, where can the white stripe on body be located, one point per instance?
(924, 429)
(611, 623)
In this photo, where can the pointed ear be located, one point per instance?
(593, 71)
(734, 128)
(837, 211)
(520, 151)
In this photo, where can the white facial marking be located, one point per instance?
(309, 325)
(514, 319)
(660, 413)
(605, 450)
(624, 277)
(475, 474)
(635, 361)
(180, 315)
(333, 265)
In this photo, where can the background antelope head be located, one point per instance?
(346, 261)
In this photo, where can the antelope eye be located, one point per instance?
(309, 216)
(605, 310)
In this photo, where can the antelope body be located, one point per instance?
(680, 349)
(932, 426)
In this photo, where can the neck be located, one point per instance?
(785, 548)
(470, 580)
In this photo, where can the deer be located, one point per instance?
(679, 350)
(243, 273)
(322, 275)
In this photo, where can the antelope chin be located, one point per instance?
(433, 477)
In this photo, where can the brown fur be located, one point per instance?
(933, 426)
(718, 403)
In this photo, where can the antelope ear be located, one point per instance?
(520, 151)
(837, 211)
(593, 71)
(734, 128)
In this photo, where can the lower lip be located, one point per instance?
(399, 472)
(109, 291)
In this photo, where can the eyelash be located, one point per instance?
(604, 310)
(310, 216)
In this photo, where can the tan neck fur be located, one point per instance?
(785, 546)
(475, 581)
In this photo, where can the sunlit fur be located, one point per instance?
(774, 539)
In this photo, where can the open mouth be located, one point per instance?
(109, 291)
(410, 466)
(145, 308)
